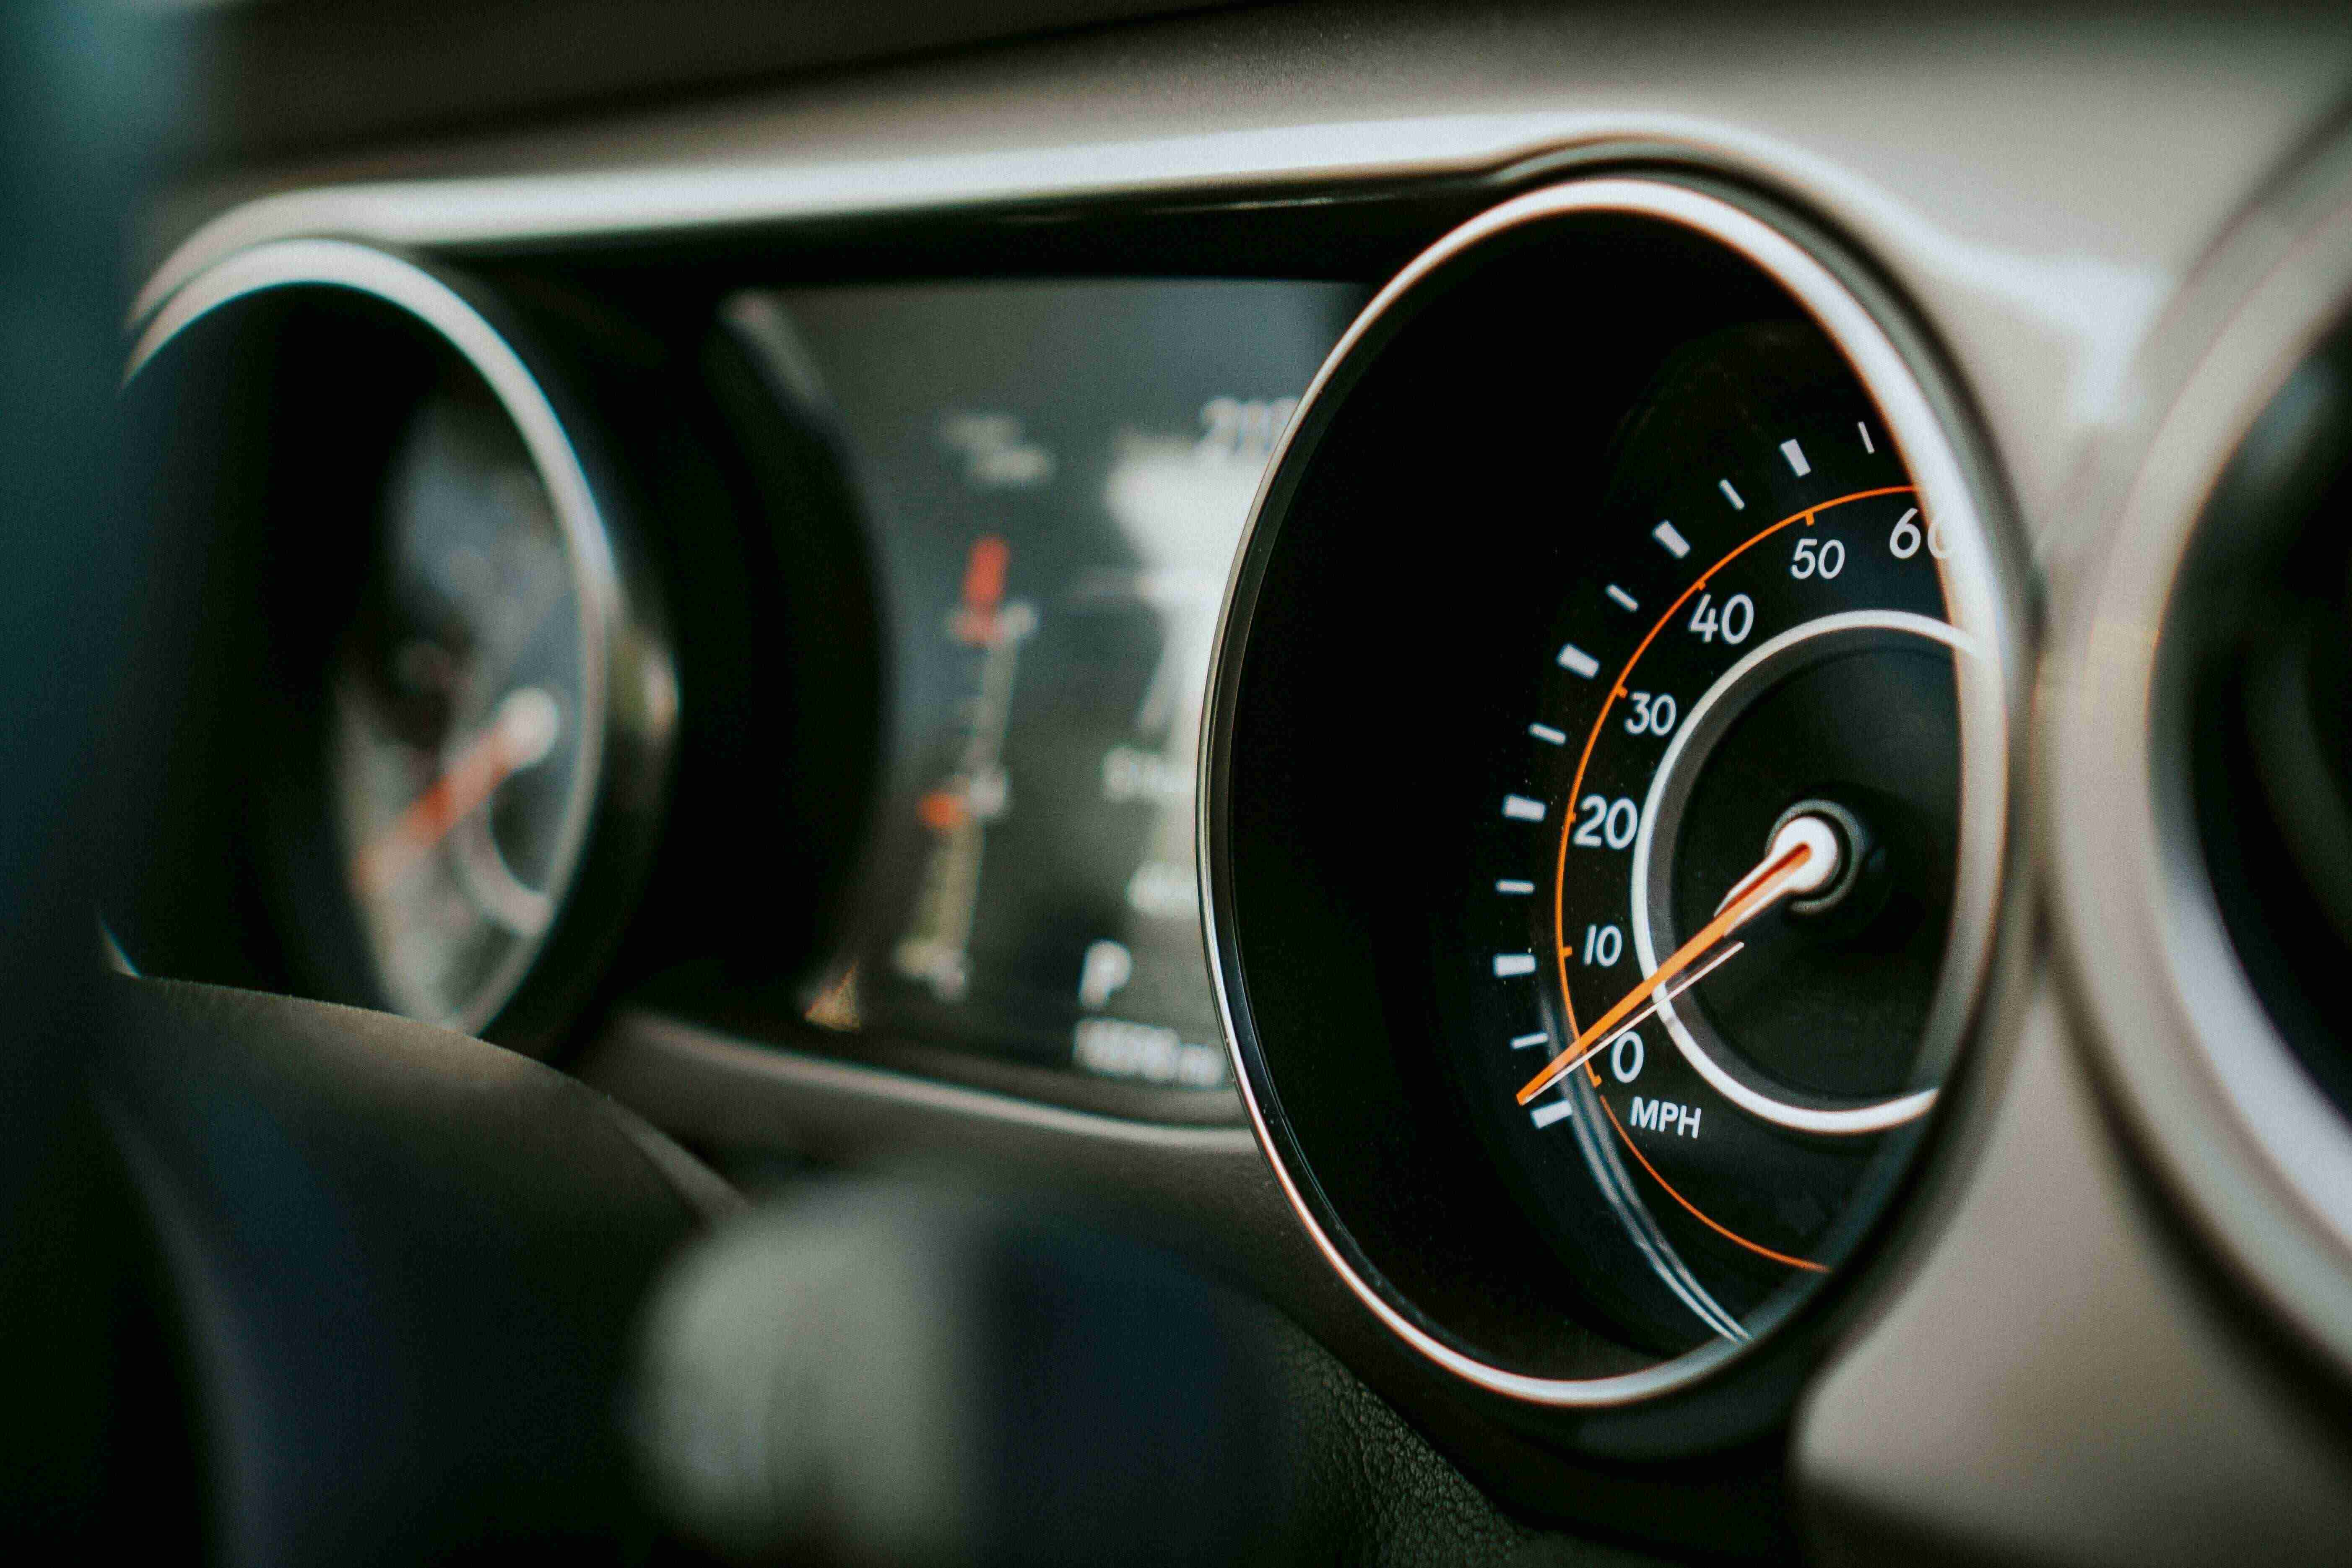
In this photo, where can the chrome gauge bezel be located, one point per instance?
(628, 685)
(2241, 1134)
(1929, 423)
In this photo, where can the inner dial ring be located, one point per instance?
(1650, 905)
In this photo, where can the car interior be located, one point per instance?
(1120, 780)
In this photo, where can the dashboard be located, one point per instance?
(1645, 716)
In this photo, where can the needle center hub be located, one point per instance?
(1826, 856)
(1826, 881)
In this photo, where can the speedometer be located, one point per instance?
(1607, 789)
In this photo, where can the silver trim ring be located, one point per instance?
(602, 620)
(1973, 577)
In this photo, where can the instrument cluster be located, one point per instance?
(1604, 651)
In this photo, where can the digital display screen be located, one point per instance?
(1056, 476)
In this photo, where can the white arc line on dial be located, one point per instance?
(1848, 1121)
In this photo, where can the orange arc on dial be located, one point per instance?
(1560, 873)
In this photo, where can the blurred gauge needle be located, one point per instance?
(1804, 857)
(519, 735)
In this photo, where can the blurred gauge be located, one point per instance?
(463, 741)
(457, 734)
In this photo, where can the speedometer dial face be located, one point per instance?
(1713, 953)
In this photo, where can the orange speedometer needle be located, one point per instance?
(519, 734)
(1804, 857)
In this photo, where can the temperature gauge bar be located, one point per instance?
(936, 950)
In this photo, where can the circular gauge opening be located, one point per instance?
(2199, 786)
(1608, 787)
(448, 710)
